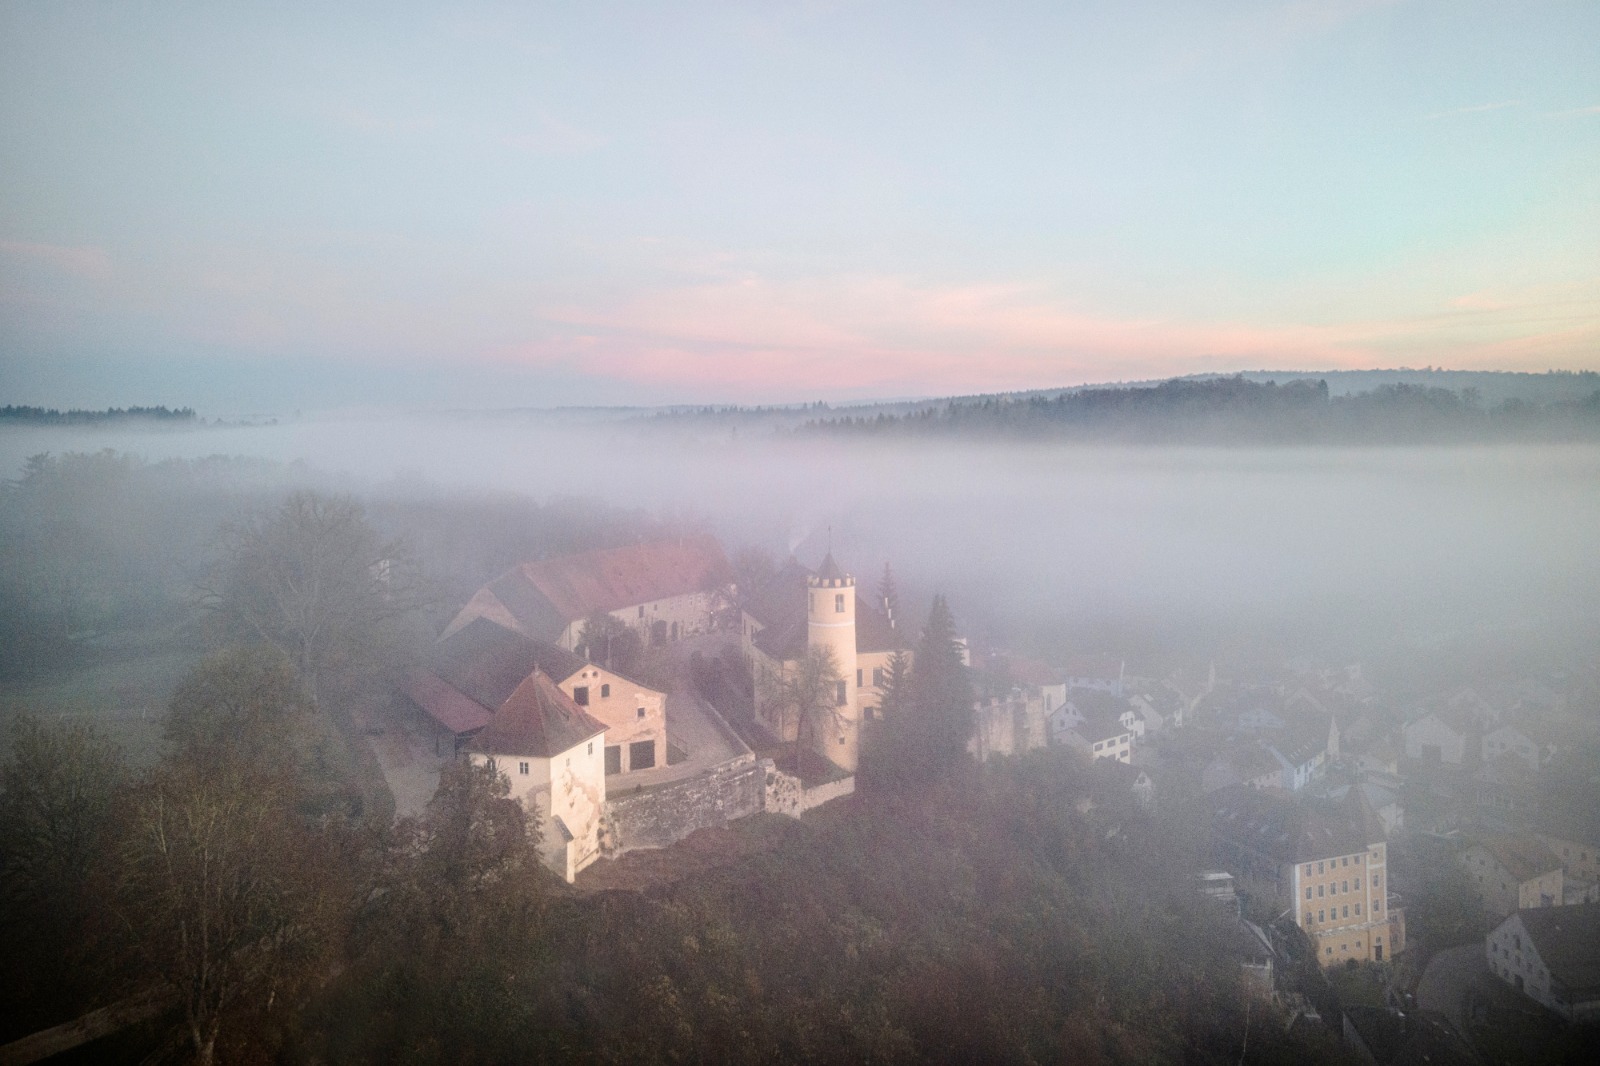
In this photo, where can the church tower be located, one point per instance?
(831, 623)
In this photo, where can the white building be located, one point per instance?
(1552, 956)
(551, 751)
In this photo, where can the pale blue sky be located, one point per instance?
(285, 206)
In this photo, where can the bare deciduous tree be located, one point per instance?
(803, 695)
(316, 580)
(225, 893)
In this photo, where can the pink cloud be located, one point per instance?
(751, 337)
(869, 334)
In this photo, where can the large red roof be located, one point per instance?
(577, 586)
(538, 719)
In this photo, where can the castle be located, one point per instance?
(799, 610)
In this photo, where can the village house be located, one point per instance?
(1279, 748)
(549, 750)
(1325, 862)
(475, 669)
(1440, 737)
(1552, 956)
(1511, 742)
(1512, 872)
(1243, 762)
(1096, 723)
(665, 590)
(800, 609)
(1032, 677)
(1575, 839)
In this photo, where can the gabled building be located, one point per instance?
(550, 751)
(473, 670)
(664, 589)
(1552, 956)
(1513, 872)
(1442, 736)
(1508, 741)
(1096, 723)
(1326, 862)
(1575, 839)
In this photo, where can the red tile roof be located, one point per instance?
(539, 720)
(445, 705)
(577, 586)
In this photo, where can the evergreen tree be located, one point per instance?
(889, 597)
(927, 714)
(941, 694)
(894, 693)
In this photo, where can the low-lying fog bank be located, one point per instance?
(1350, 548)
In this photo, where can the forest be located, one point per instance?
(1237, 410)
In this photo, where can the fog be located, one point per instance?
(1341, 551)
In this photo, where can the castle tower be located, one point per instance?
(831, 623)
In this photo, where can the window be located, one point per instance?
(1098, 745)
(1358, 884)
(1346, 887)
(858, 677)
(842, 694)
(1320, 868)
(1358, 910)
(580, 695)
(1322, 916)
(641, 610)
(1320, 890)
(1308, 892)
(522, 768)
(838, 603)
(641, 755)
(591, 747)
(613, 758)
(605, 690)
(877, 677)
(1308, 869)
(1347, 910)
(641, 712)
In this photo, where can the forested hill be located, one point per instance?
(1236, 410)
(49, 416)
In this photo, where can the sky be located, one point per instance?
(258, 208)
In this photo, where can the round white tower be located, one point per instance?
(831, 623)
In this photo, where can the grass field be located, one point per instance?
(124, 694)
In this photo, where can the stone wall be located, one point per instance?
(664, 814)
(787, 795)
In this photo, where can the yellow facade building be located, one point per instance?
(1325, 861)
(800, 609)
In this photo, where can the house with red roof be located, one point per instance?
(665, 589)
(551, 751)
(474, 670)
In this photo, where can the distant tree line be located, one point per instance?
(51, 416)
(1236, 410)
